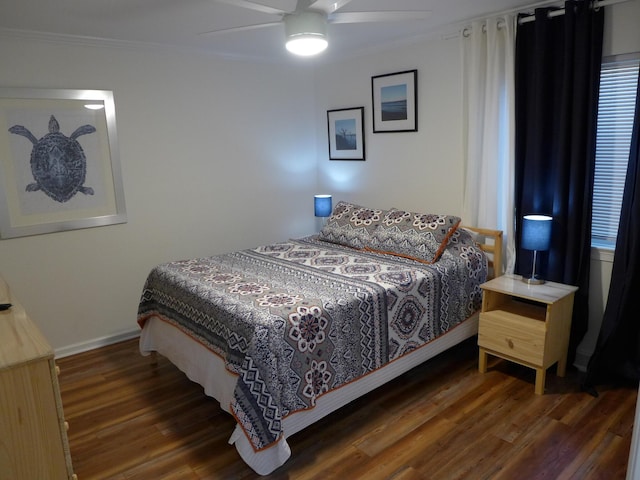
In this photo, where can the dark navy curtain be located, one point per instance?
(617, 353)
(558, 63)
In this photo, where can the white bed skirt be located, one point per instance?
(208, 370)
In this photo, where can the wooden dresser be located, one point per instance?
(33, 437)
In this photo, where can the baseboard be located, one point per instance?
(96, 343)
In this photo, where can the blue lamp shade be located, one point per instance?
(536, 232)
(322, 205)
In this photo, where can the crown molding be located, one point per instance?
(99, 42)
(64, 39)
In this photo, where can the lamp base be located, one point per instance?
(533, 280)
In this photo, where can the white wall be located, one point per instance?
(420, 170)
(216, 155)
(621, 33)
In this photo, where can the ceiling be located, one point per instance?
(181, 24)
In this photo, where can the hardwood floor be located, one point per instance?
(442, 420)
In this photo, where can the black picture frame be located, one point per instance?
(345, 129)
(394, 98)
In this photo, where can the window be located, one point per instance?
(616, 106)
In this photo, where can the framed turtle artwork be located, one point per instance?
(59, 162)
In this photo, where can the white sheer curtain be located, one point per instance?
(488, 49)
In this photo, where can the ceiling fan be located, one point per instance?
(306, 26)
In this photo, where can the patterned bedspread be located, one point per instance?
(296, 319)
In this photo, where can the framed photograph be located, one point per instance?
(395, 102)
(59, 163)
(346, 133)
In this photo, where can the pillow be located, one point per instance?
(419, 236)
(469, 234)
(463, 244)
(351, 225)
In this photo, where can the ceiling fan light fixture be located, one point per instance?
(307, 44)
(306, 33)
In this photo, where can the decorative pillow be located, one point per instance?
(463, 244)
(469, 234)
(351, 225)
(419, 236)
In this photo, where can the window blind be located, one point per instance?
(616, 106)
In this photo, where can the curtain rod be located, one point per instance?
(531, 18)
(560, 11)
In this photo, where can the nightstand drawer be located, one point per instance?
(512, 335)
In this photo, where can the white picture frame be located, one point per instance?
(59, 162)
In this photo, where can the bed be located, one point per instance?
(284, 334)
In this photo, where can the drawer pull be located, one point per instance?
(510, 343)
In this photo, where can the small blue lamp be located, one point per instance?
(322, 205)
(536, 236)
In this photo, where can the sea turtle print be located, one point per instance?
(58, 163)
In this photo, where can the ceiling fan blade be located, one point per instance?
(243, 28)
(253, 6)
(362, 17)
(328, 6)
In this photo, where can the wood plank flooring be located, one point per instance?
(442, 420)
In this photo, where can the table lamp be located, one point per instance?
(536, 236)
(322, 205)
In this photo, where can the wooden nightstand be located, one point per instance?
(526, 324)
